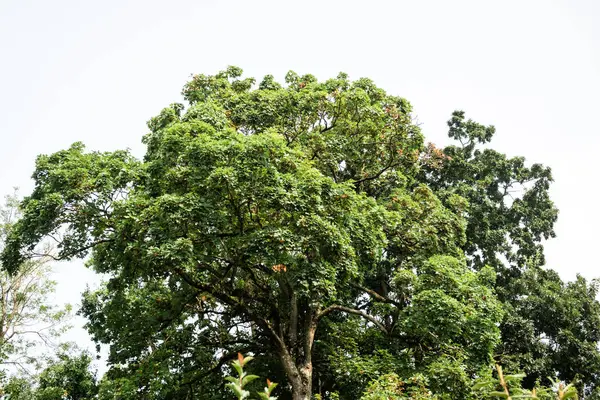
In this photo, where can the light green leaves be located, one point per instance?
(237, 384)
(510, 387)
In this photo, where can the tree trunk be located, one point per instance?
(302, 386)
(296, 358)
(300, 377)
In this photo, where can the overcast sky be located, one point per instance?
(97, 71)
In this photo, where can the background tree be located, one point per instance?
(68, 377)
(18, 388)
(510, 211)
(550, 327)
(29, 322)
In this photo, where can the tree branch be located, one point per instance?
(377, 175)
(73, 253)
(234, 302)
(377, 296)
(354, 311)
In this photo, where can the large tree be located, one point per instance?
(264, 220)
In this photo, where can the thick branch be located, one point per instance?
(234, 302)
(73, 253)
(377, 296)
(354, 311)
(294, 320)
(377, 175)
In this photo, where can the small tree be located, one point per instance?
(28, 321)
(69, 377)
(509, 387)
(238, 383)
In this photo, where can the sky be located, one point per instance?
(95, 72)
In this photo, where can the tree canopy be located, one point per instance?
(308, 224)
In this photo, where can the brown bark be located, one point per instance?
(299, 369)
(298, 363)
(303, 390)
(300, 376)
(294, 320)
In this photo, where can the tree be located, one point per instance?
(257, 218)
(27, 319)
(69, 377)
(550, 327)
(510, 211)
(18, 388)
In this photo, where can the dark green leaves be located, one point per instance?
(304, 223)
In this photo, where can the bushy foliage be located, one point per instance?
(308, 224)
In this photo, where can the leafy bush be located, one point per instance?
(509, 387)
(238, 384)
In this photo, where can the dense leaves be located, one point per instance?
(308, 224)
(510, 210)
(550, 327)
(68, 377)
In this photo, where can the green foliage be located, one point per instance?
(69, 377)
(510, 211)
(447, 331)
(509, 387)
(118, 388)
(18, 388)
(307, 223)
(238, 384)
(391, 387)
(551, 328)
(28, 321)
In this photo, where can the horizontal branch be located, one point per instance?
(377, 175)
(74, 253)
(233, 302)
(376, 295)
(354, 311)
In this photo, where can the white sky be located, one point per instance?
(97, 71)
